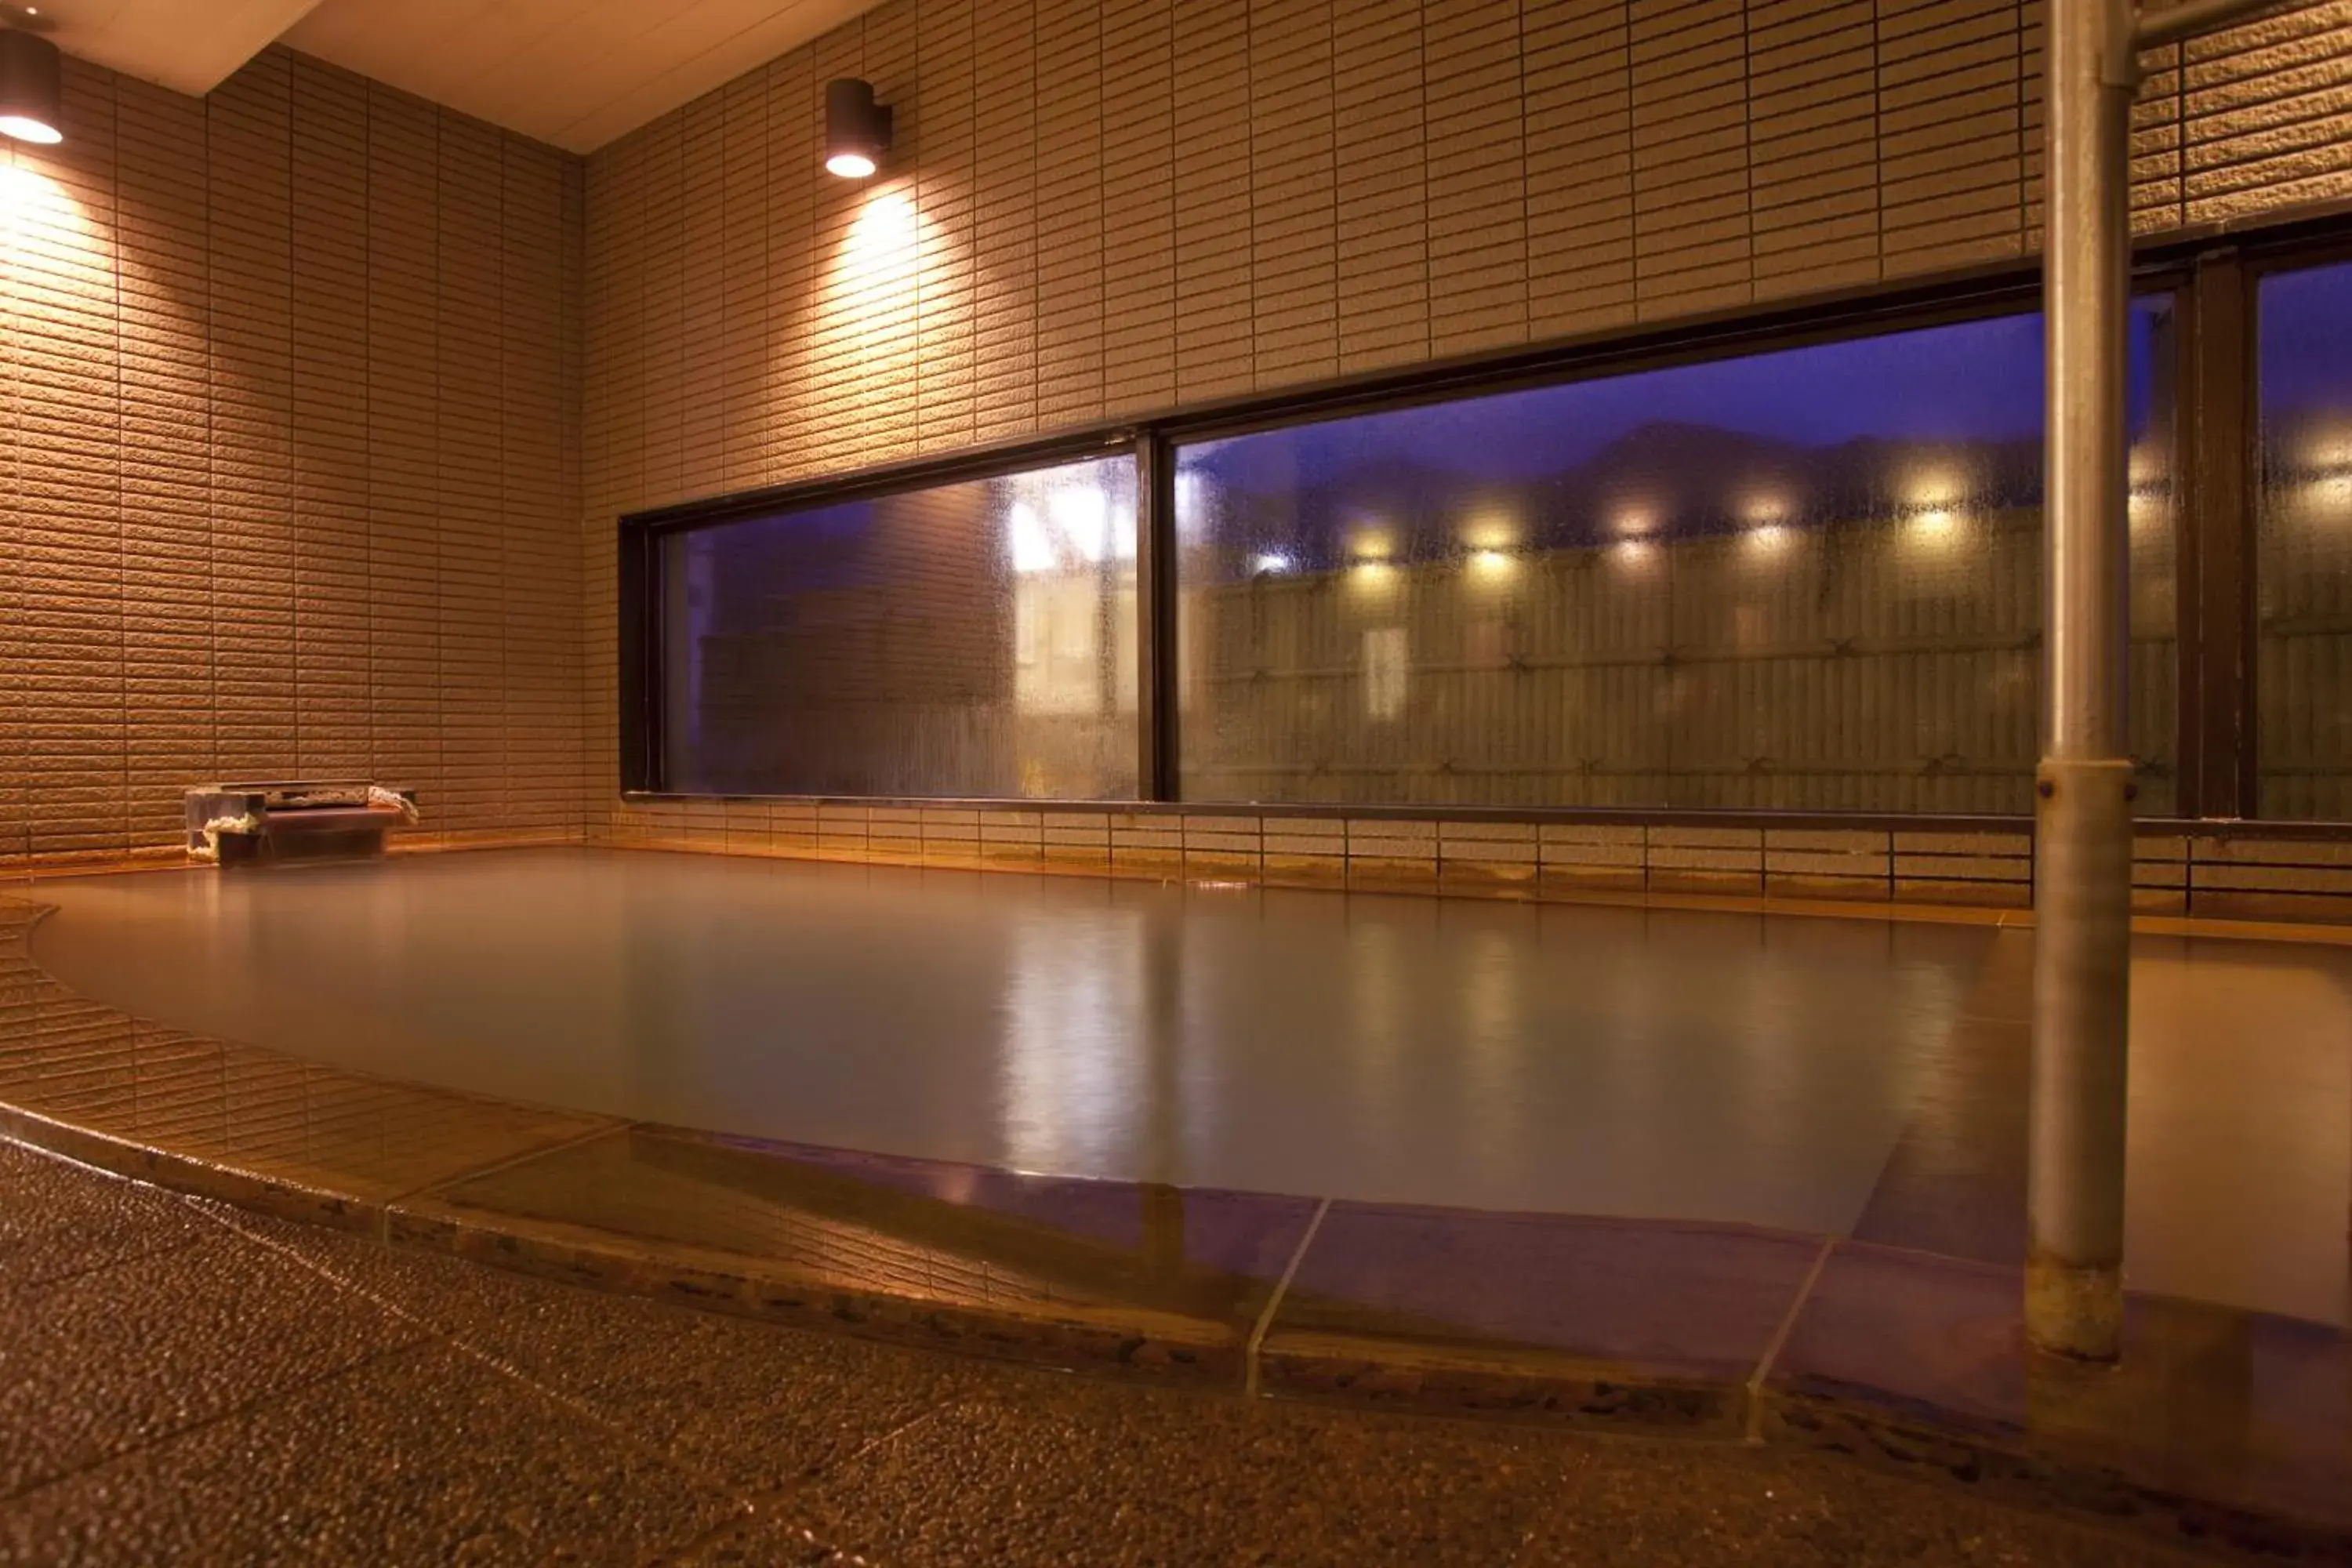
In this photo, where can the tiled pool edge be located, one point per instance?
(2159, 911)
(2221, 871)
(1389, 1352)
(2174, 892)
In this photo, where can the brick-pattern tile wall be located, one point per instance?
(289, 405)
(1101, 207)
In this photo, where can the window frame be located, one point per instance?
(2234, 415)
(2211, 274)
(644, 756)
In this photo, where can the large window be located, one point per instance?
(2302, 661)
(1802, 579)
(968, 639)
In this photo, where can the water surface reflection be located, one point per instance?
(1391, 1048)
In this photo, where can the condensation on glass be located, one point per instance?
(968, 639)
(2303, 549)
(1810, 579)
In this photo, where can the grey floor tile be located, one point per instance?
(1690, 1505)
(1098, 1474)
(758, 1405)
(422, 1457)
(58, 1219)
(280, 1397)
(109, 1360)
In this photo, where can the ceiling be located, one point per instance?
(573, 72)
(187, 45)
(576, 73)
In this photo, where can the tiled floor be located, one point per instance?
(1815, 1076)
(183, 1382)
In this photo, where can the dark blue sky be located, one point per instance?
(2306, 340)
(1969, 382)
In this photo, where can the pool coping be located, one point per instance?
(1906, 1361)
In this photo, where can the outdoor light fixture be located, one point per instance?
(32, 90)
(857, 128)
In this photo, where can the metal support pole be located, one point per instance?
(2083, 840)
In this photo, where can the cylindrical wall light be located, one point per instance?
(857, 128)
(32, 89)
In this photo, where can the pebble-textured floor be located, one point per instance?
(180, 1383)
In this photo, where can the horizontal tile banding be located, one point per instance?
(292, 428)
(2210, 873)
(325, 399)
(1211, 206)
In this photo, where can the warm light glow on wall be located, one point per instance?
(883, 236)
(1632, 522)
(1369, 556)
(872, 287)
(1935, 524)
(28, 196)
(1271, 564)
(1490, 530)
(1768, 538)
(1935, 488)
(1932, 510)
(39, 217)
(1633, 551)
(1492, 563)
(2331, 451)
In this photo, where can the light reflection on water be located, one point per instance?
(1389, 1048)
(1073, 1060)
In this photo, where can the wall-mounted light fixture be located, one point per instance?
(857, 128)
(32, 89)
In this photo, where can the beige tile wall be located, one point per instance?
(289, 384)
(319, 403)
(1099, 209)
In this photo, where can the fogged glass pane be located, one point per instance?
(1803, 580)
(969, 639)
(2302, 553)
